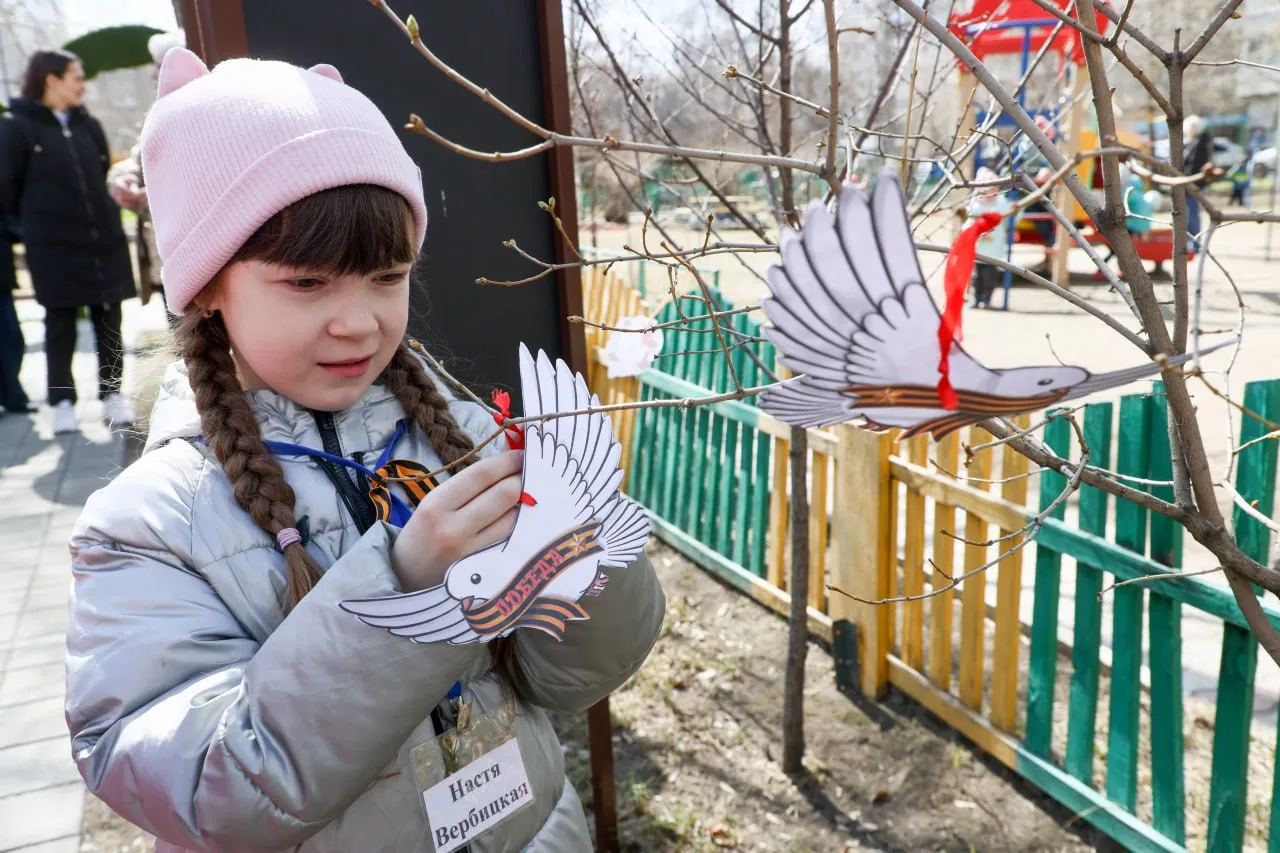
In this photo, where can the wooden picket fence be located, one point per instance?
(913, 520)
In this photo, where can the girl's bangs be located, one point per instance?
(357, 229)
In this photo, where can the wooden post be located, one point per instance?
(862, 549)
(1062, 198)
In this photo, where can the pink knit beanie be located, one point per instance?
(226, 150)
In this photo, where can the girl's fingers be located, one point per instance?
(491, 504)
(463, 487)
(498, 531)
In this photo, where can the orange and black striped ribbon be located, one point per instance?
(415, 480)
(520, 602)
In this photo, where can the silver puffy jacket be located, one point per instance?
(201, 713)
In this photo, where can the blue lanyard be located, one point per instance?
(400, 511)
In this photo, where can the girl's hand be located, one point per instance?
(473, 509)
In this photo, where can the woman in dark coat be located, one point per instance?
(53, 166)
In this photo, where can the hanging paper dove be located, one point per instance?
(850, 311)
(571, 526)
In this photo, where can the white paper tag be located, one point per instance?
(486, 791)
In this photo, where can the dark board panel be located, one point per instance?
(473, 206)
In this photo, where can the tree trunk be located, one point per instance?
(798, 633)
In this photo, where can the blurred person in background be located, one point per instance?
(1197, 150)
(53, 165)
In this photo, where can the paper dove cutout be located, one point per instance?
(576, 525)
(850, 311)
(630, 353)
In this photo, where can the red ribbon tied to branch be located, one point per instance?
(959, 270)
(515, 434)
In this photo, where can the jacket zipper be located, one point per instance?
(84, 186)
(84, 194)
(357, 503)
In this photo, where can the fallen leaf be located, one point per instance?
(721, 837)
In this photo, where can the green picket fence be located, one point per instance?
(1144, 546)
(704, 473)
(709, 476)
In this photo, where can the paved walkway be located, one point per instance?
(44, 480)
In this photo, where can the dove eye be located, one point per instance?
(1045, 382)
(475, 579)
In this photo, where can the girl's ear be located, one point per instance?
(209, 299)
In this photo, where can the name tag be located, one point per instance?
(484, 792)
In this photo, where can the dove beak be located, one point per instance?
(466, 603)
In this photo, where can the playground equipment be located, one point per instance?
(1020, 27)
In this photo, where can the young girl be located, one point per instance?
(994, 243)
(217, 694)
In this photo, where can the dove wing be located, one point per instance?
(849, 306)
(571, 464)
(429, 616)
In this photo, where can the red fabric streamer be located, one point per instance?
(956, 281)
(515, 434)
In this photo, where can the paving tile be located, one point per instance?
(39, 623)
(37, 651)
(53, 573)
(19, 559)
(33, 766)
(33, 682)
(14, 584)
(32, 721)
(41, 816)
(8, 624)
(46, 597)
(12, 597)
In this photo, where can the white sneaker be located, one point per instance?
(64, 418)
(117, 412)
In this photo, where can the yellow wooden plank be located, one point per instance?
(913, 564)
(990, 508)
(818, 532)
(631, 391)
(946, 708)
(1004, 667)
(862, 527)
(944, 526)
(820, 440)
(973, 601)
(893, 578)
(779, 548)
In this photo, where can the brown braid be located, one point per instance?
(230, 427)
(409, 381)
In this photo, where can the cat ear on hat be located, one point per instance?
(179, 68)
(326, 70)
